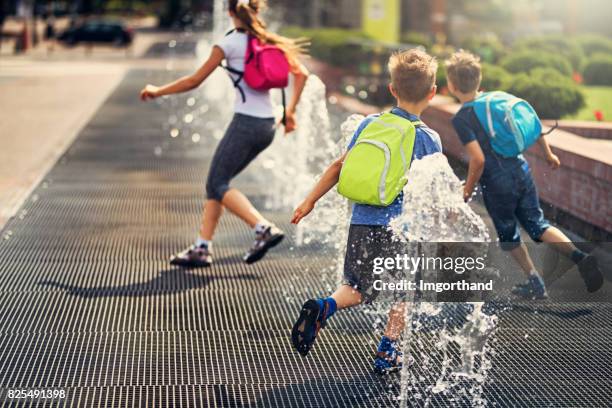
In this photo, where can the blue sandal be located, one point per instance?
(388, 357)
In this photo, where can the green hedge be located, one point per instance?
(526, 61)
(416, 38)
(494, 78)
(598, 71)
(336, 46)
(592, 44)
(489, 48)
(551, 94)
(441, 81)
(559, 45)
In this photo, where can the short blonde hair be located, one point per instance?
(413, 74)
(464, 71)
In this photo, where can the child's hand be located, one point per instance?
(553, 161)
(290, 122)
(467, 194)
(149, 92)
(303, 210)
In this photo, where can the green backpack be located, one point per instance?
(375, 170)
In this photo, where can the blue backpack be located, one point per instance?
(511, 122)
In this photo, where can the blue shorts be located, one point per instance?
(511, 198)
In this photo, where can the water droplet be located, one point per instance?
(350, 89)
(188, 118)
(333, 100)
(269, 164)
(218, 134)
(195, 138)
(172, 44)
(363, 94)
(204, 108)
(191, 101)
(157, 151)
(174, 133)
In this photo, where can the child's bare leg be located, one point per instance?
(346, 296)
(587, 264)
(211, 213)
(562, 243)
(521, 256)
(240, 205)
(397, 321)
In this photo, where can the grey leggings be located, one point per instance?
(244, 139)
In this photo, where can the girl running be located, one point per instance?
(250, 132)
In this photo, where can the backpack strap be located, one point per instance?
(239, 74)
(284, 121)
(236, 80)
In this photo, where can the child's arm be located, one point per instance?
(300, 74)
(186, 83)
(475, 169)
(328, 180)
(551, 158)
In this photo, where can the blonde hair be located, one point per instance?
(413, 74)
(464, 71)
(248, 13)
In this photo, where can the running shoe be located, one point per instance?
(265, 240)
(388, 357)
(533, 289)
(591, 274)
(305, 330)
(193, 257)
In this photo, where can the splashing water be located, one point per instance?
(434, 210)
(453, 358)
(292, 165)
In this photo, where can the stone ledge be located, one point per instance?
(592, 130)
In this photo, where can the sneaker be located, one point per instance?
(265, 240)
(388, 357)
(533, 289)
(306, 328)
(591, 274)
(193, 257)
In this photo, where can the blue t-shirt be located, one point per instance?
(468, 129)
(426, 142)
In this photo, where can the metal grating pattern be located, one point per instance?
(89, 304)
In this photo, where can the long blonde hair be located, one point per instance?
(248, 13)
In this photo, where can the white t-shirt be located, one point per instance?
(257, 103)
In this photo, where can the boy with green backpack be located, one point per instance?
(372, 174)
(496, 128)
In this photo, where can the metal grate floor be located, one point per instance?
(89, 304)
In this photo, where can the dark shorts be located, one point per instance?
(511, 199)
(364, 244)
(244, 139)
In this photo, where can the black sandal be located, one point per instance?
(307, 326)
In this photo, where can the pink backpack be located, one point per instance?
(265, 66)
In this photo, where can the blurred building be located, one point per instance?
(458, 18)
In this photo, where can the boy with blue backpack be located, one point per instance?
(496, 128)
(372, 174)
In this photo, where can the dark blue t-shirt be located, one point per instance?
(468, 129)
(426, 142)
